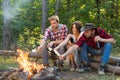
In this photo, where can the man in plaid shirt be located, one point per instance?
(95, 41)
(54, 35)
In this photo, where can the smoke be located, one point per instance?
(10, 12)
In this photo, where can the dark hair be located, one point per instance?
(89, 26)
(78, 25)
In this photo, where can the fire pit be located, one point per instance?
(30, 70)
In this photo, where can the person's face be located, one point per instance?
(53, 23)
(88, 33)
(74, 30)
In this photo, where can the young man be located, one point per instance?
(95, 41)
(54, 35)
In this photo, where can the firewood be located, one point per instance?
(14, 76)
(4, 75)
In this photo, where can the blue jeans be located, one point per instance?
(104, 51)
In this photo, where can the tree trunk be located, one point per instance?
(44, 15)
(57, 7)
(6, 44)
(98, 10)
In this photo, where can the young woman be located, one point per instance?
(76, 32)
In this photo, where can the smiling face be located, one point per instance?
(74, 29)
(88, 33)
(53, 23)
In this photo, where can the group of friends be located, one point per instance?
(75, 45)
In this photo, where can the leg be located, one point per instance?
(105, 57)
(84, 53)
(77, 57)
(60, 62)
(45, 55)
(84, 58)
(72, 62)
(106, 53)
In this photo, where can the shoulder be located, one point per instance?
(100, 30)
(62, 26)
(49, 29)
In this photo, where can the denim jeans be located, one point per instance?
(104, 51)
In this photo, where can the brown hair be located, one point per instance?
(54, 17)
(78, 25)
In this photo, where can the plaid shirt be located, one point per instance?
(90, 41)
(61, 34)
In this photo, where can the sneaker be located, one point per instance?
(77, 69)
(72, 69)
(61, 67)
(46, 65)
(101, 70)
(83, 69)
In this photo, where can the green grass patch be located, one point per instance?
(6, 62)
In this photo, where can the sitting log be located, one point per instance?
(112, 60)
(109, 68)
(13, 53)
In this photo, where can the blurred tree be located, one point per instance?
(6, 43)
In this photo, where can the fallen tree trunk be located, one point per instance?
(13, 53)
(109, 68)
(112, 60)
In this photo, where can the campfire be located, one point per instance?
(26, 65)
(30, 70)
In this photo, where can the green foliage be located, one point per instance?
(29, 17)
(29, 39)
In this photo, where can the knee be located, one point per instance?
(84, 45)
(108, 45)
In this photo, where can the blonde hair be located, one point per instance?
(54, 17)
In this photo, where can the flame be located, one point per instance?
(26, 65)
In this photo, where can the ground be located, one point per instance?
(6, 63)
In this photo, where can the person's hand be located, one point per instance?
(50, 44)
(56, 48)
(61, 57)
(97, 38)
(40, 48)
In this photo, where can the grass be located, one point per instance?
(6, 63)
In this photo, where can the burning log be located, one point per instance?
(28, 70)
(109, 68)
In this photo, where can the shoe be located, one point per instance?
(46, 65)
(83, 69)
(61, 67)
(77, 69)
(101, 70)
(72, 69)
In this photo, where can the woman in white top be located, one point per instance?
(76, 32)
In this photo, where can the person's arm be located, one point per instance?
(42, 44)
(44, 40)
(69, 51)
(103, 36)
(111, 40)
(64, 42)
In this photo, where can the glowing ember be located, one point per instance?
(26, 65)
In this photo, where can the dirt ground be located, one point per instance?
(91, 75)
